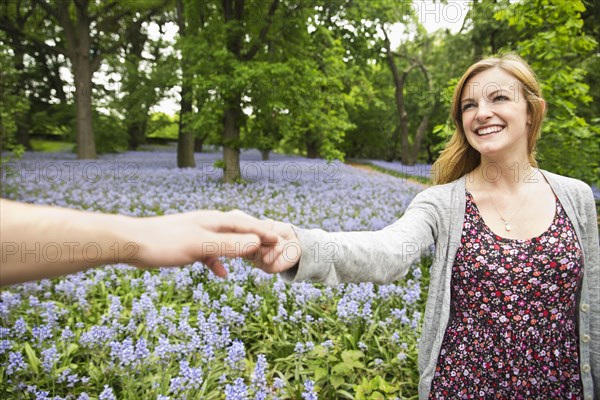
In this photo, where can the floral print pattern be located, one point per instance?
(513, 331)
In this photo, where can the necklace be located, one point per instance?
(505, 221)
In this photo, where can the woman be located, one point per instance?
(513, 304)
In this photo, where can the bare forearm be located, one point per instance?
(41, 241)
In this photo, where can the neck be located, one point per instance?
(507, 175)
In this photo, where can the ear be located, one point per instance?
(542, 105)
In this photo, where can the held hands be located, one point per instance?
(205, 235)
(284, 254)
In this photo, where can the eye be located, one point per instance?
(467, 106)
(501, 97)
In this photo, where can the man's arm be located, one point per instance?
(43, 241)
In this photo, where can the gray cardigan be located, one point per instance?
(436, 216)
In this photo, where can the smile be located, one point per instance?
(488, 130)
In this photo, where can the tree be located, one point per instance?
(89, 31)
(552, 39)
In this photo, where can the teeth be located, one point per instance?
(491, 129)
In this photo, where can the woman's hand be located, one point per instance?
(282, 255)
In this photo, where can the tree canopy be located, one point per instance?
(347, 79)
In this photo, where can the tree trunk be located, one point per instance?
(137, 134)
(399, 97)
(420, 134)
(198, 144)
(233, 11)
(424, 124)
(185, 139)
(22, 134)
(265, 154)
(86, 147)
(312, 146)
(231, 137)
(22, 119)
(393, 150)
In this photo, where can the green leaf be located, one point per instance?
(336, 381)
(352, 355)
(320, 373)
(342, 369)
(34, 361)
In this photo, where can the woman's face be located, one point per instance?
(494, 115)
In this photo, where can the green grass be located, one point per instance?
(49, 146)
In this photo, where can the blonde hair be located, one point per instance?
(458, 157)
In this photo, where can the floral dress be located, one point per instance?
(513, 331)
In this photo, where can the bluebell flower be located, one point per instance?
(5, 345)
(16, 363)
(309, 390)
(237, 391)
(299, 349)
(123, 352)
(107, 394)
(41, 333)
(259, 379)
(278, 383)
(236, 354)
(67, 334)
(192, 376)
(97, 336)
(141, 350)
(50, 357)
(177, 384)
(19, 328)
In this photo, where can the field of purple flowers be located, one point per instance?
(181, 333)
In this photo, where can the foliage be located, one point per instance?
(11, 104)
(182, 332)
(306, 79)
(110, 134)
(161, 125)
(553, 41)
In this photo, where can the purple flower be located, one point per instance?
(19, 328)
(67, 334)
(237, 391)
(50, 357)
(193, 377)
(41, 333)
(259, 379)
(107, 394)
(16, 363)
(5, 345)
(309, 390)
(236, 354)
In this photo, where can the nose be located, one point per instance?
(484, 111)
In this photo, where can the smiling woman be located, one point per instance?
(516, 254)
(500, 80)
